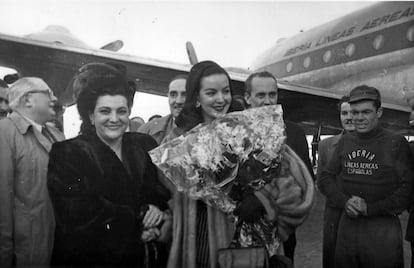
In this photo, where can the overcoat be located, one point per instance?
(26, 215)
(97, 200)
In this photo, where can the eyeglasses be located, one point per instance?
(45, 91)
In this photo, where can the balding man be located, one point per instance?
(262, 90)
(161, 127)
(26, 214)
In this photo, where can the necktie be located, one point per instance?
(47, 134)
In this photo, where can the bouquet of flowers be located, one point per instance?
(220, 162)
(210, 155)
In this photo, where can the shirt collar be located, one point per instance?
(34, 124)
(23, 123)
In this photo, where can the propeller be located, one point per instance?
(192, 56)
(113, 46)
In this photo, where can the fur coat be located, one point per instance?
(97, 200)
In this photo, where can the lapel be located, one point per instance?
(133, 156)
(24, 127)
(334, 143)
(45, 142)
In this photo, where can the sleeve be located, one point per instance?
(157, 193)
(80, 209)
(148, 142)
(145, 128)
(327, 181)
(399, 200)
(6, 200)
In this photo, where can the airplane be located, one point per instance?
(314, 68)
(373, 46)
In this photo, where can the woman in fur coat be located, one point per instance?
(199, 231)
(107, 199)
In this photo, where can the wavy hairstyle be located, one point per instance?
(191, 115)
(93, 81)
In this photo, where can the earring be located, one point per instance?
(197, 104)
(92, 122)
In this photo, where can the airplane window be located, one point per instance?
(307, 62)
(350, 50)
(378, 42)
(410, 34)
(289, 67)
(327, 56)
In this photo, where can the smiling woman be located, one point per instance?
(110, 207)
(110, 118)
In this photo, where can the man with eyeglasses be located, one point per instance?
(4, 103)
(26, 214)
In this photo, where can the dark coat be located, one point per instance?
(410, 226)
(296, 139)
(97, 200)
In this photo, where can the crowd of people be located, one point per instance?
(98, 199)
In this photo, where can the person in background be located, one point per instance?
(4, 102)
(410, 226)
(261, 90)
(332, 214)
(370, 177)
(135, 123)
(109, 205)
(153, 117)
(161, 127)
(27, 222)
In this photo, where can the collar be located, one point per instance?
(161, 123)
(336, 138)
(370, 134)
(33, 123)
(21, 122)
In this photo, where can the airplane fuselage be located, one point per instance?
(373, 46)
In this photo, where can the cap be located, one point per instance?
(23, 86)
(364, 93)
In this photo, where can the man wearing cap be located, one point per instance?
(261, 90)
(159, 128)
(370, 177)
(26, 214)
(4, 103)
(332, 214)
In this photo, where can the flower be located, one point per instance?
(204, 163)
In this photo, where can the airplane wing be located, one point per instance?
(56, 63)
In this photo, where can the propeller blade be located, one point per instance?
(192, 56)
(113, 46)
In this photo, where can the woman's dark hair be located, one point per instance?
(191, 115)
(93, 81)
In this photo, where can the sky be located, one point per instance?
(230, 33)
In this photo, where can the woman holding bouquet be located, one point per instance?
(200, 230)
(105, 191)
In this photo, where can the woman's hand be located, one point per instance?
(152, 217)
(150, 234)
